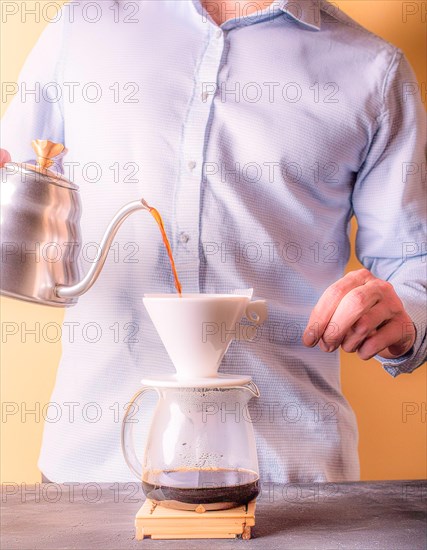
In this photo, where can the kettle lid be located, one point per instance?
(32, 172)
(48, 154)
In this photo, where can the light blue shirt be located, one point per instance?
(257, 141)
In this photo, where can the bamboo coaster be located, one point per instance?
(159, 522)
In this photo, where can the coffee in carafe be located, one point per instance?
(213, 488)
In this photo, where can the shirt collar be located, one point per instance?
(307, 12)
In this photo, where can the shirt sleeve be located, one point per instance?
(36, 110)
(389, 202)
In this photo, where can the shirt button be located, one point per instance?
(205, 96)
(192, 165)
(184, 238)
(219, 34)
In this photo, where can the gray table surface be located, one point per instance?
(388, 515)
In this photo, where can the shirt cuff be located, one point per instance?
(417, 355)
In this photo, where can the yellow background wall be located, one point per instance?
(392, 445)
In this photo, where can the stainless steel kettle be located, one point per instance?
(40, 232)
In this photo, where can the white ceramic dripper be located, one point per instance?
(197, 329)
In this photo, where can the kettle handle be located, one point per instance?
(128, 443)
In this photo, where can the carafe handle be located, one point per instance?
(128, 443)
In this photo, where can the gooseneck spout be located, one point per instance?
(92, 275)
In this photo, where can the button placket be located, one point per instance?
(188, 194)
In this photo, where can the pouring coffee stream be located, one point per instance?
(156, 215)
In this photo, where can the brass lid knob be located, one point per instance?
(46, 150)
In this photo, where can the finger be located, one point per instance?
(388, 335)
(353, 306)
(367, 324)
(328, 302)
(4, 157)
(409, 335)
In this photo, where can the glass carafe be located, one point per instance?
(200, 453)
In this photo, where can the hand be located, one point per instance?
(4, 157)
(361, 314)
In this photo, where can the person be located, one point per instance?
(258, 132)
